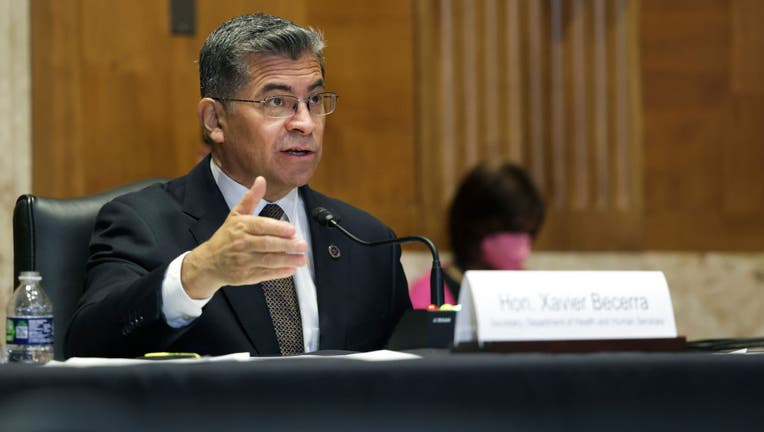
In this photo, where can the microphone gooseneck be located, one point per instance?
(327, 218)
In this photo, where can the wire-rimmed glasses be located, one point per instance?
(282, 106)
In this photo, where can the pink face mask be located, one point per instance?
(506, 250)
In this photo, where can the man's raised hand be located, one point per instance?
(245, 250)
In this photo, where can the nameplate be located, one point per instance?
(563, 305)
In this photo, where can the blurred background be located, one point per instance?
(640, 121)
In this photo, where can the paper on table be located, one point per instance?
(380, 355)
(101, 361)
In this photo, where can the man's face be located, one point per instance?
(285, 151)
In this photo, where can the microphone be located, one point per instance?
(327, 218)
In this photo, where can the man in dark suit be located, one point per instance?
(226, 259)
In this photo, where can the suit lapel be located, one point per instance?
(248, 304)
(208, 207)
(331, 273)
(203, 202)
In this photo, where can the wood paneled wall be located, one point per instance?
(639, 119)
(704, 134)
(115, 94)
(552, 85)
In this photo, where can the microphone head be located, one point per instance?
(323, 216)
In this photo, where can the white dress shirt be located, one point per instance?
(179, 309)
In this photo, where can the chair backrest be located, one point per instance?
(52, 236)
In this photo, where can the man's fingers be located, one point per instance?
(250, 249)
(277, 273)
(262, 226)
(257, 225)
(271, 244)
(253, 196)
(269, 261)
(264, 266)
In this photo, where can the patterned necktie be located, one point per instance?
(281, 297)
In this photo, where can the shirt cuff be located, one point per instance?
(178, 308)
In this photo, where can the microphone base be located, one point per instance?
(419, 328)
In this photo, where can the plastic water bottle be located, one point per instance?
(29, 323)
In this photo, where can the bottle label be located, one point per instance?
(29, 330)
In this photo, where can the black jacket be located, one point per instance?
(361, 294)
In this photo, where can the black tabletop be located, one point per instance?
(439, 391)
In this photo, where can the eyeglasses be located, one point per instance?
(282, 106)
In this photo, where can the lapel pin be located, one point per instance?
(334, 251)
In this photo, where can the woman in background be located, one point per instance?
(493, 219)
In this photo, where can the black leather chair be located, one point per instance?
(51, 236)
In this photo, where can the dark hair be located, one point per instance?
(492, 198)
(223, 67)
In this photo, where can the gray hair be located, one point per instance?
(223, 67)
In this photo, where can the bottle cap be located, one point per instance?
(30, 275)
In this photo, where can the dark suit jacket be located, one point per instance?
(361, 294)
